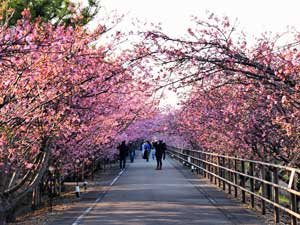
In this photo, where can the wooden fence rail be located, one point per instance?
(258, 180)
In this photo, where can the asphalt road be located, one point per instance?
(141, 195)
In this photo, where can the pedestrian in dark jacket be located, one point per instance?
(160, 153)
(123, 153)
(131, 150)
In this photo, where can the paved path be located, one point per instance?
(144, 196)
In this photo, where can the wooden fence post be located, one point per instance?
(243, 183)
(208, 166)
(252, 184)
(205, 165)
(268, 177)
(223, 173)
(198, 163)
(276, 195)
(229, 176)
(211, 160)
(263, 185)
(201, 163)
(216, 169)
(235, 178)
(293, 198)
(219, 171)
(34, 198)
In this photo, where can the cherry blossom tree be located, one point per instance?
(241, 98)
(61, 98)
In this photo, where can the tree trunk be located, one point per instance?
(2, 218)
(59, 184)
(82, 172)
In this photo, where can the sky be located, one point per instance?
(254, 17)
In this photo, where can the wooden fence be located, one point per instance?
(255, 180)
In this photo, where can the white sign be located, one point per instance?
(77, 188)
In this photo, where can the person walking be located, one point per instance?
(131, 151)
(153, 150)
(123, 153)
(160, 153)
(146, 150)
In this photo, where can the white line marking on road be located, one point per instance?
(88, 210)
(116, 178)
(98, 199)
(79, 218)
(212, 200)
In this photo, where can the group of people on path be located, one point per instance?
(156, 149)
(124, 150)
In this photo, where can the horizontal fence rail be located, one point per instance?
(268, 183)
